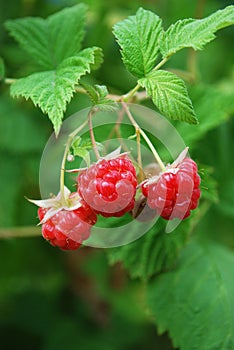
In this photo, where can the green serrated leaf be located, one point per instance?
(2, 69)
(107, 105)
(170, 95)
(152, 253)
(82, 153)
(138, 38)
(101, 90)
(213, 107)
(194, 33)
(87, 144)
(195, 301)
(209, 185)
(97, 94)
(92, 92)
(52, 90)
(50, 41)
(76, 142)
(98, 59)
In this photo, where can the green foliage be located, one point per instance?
(52, 40)
(98, 95)
(209, 184)
(28, 137)
(153, 253)
(170, 95)
(193, 32)
(205, 96)
(194, 302)
(192, 295)
(81, 148)
(52, 90)
(54, 43)
(138, 39)
(2, 69)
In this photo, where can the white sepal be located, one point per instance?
(180, 158)
(50, 213)
(115, 154)
(56, 204)
(170, 168)
(43, 203)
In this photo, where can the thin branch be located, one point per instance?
(161, 63)
(130, 94)
(67, 149)
(27, 231)
(9, 81)
(139, 158)
(145, 137)
(95, 148)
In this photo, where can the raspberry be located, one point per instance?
(176, 192)
(109, 186)
(68, 228)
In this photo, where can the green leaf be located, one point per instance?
(170, 95)
(208, 184)
(98, 59)
(10, 170)
(213, 104)
(50, 41)
(138, 38)
(82, 153)
(97, 94)
(52, 90)
(153, 252)
(195, 33)
(2, 69)
(21, 134)
(195, 301)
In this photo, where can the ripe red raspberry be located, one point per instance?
(109, 186)
(68, 228)
(175, 192)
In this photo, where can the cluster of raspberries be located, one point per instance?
(109, 187)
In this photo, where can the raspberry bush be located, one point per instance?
(119, 168)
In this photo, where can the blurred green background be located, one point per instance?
(55, 300)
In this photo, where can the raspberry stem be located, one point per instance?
(23, 231)
(139, 159)
(131, 93)
(145, 137)
(161, 63)
(91, 112)
(66, 152)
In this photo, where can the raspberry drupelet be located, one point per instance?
(175, 192)
(109, 186)
(68, 228)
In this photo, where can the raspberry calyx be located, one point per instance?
(66, 222)
(68, 229)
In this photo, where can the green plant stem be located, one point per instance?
(67, 149)
(9, 81)
(127, 97)
(145, 137)
(92, 134)
(130, 94)
(161, 63)
(139, 158)
(81, 90)
(27, 231)
(192, 54)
